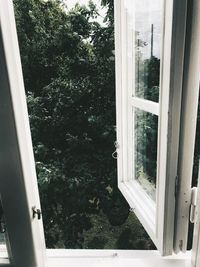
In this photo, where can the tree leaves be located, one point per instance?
(68, 67)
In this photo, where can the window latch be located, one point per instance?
(193, 204)
(115, 153)
(36, 213)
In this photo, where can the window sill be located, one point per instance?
(109, 258)
(114, 258)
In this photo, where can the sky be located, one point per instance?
(71, 3)
(150, 10)
(142, 14)
(102, 11)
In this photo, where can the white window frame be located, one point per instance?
(13, 103)
(188, 128)
(18, 183)
(158, 220)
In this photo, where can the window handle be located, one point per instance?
(36, 213)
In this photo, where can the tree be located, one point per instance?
(68, 65)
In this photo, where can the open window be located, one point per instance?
(150, 43)
(150, 37)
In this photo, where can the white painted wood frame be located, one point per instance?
(188, 126)
(113, 258)
(18, 183)
(157, 218)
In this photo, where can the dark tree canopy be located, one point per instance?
(68, 65)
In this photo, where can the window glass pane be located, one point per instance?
(145, 20)
(195, 172)
(3, 247)
(3, 235)
(145, 158)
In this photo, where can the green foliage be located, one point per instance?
(146, 134)
(68, 66)
(147, 75)
(197, 150)
(130, 235)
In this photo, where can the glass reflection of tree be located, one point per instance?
(147, 71)
(146, 125)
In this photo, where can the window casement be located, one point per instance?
(151, 33)
(190, 98)
(18, 183)
(161, 117)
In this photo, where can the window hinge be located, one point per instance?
(193, 204)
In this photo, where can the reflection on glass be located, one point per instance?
(148, 21)
(145, 158)
(3, 249)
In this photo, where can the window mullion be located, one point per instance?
(146, 105)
